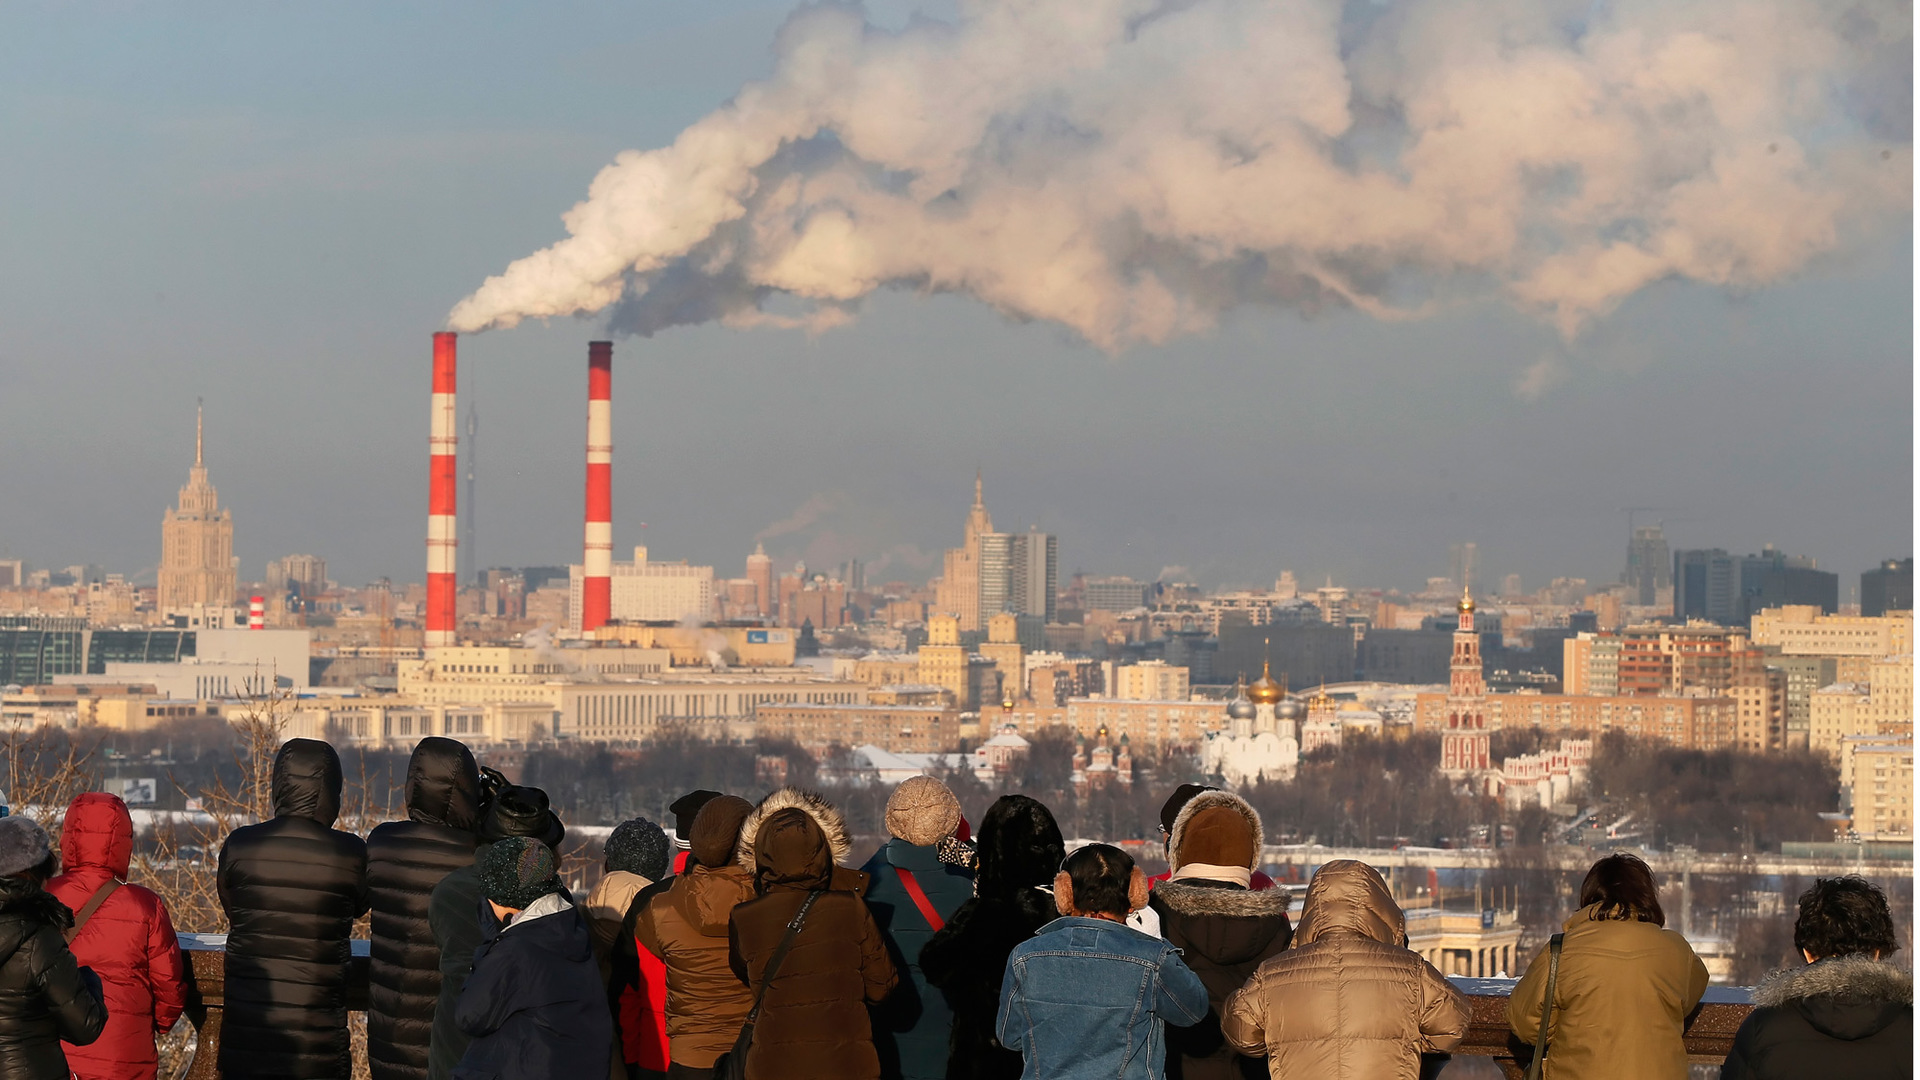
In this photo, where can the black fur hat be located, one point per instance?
(23, 845)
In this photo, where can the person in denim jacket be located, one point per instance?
(1088, 996)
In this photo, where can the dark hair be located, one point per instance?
(43, 871)
(1102, 877)
(1842, 916)
(1623, 887)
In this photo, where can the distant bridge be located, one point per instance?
(1577, 860)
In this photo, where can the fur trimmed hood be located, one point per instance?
(824, 814)
(1207, 800)
(1188, 898)
(1855, 979)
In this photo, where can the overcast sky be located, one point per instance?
(272, 206)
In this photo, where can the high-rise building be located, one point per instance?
(1649, 566)
(196, 541)
(1035, 560)
(1887, 587)
(1729, 589)
(959, 591)
(1114, 594)
(646, 591)
(304, 574)
(1461, 560)
(996, 575)
(760, 572)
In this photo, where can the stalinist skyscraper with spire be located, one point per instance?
(196, 540)
(959, 589)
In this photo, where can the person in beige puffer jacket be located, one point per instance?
(1348, 1000)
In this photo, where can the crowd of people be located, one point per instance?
(745, 945)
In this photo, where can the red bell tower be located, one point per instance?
(1464, 749)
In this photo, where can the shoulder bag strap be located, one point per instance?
(779, 954)
(1536, 1067)
(919, 898)
(93, 904)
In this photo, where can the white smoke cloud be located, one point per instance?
(1134, 168)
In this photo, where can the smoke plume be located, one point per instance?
(1134, 168)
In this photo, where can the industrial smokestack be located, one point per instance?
(443, 545)
(257, 613)
(596, 594)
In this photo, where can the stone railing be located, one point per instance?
(1709, 1031)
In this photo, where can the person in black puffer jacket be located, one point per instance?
(291, 888)
(454, 914)
(45, 996)
(1224, 928)
(1848, 1012)
(1020, 850)
(405, 860)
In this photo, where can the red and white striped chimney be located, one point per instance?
(596, 593)
(257, 613)
(443, 442)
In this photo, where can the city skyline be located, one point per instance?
(1329, 445)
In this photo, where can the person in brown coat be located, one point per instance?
(1348, 999)
(686, 927)
(1625, 988)
(813, 1021)
(1223, 928)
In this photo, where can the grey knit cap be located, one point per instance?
(639, 847)
(517, 871)
(23, 845)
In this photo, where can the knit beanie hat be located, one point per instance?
(922, 812)
(638, 847)
(23, 845)
(1219, 835)
(1176, 802)
(716, 828)
(517, 871)
(685, 809)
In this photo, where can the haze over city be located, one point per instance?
(272, 210)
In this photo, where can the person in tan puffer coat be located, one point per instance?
(686, 927)
(1348, 1001)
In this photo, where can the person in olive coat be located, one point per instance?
(1848, 1012)
(405, 860)
(912, 894)
(45, 996)
(291, 887)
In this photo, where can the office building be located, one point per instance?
(1876, 786)
(197, 567)
(1887, 587)
(958, 593)
(1728, 589)
(646, 591)
(302, 574)
(1802, 630)
(760, 573)
(1114, 594)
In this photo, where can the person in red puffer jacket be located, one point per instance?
(128, 941)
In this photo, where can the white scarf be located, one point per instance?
(1239, 875)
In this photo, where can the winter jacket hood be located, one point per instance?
(1843, 997)
(443, 784)
(97, 834)
(128, 942)
(1204, 907)
(1177, 853)
(1349, 897)
(306, 781)
(832, 825)
(714, 838)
